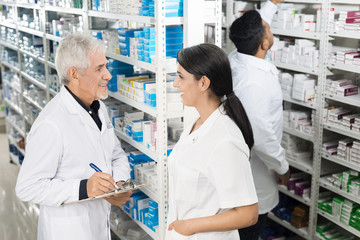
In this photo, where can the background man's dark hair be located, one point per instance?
(247, 32)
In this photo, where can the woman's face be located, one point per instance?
(189, 87)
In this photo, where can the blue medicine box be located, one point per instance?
(153, 204)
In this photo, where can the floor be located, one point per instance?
(16, 221)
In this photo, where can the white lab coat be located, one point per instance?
(62, 142)
(209, 173)
(256, 84)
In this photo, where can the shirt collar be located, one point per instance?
(256, 62)
(94, 107)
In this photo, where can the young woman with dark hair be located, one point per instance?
(211, 189)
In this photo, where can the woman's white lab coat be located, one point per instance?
(209, 173)
(62, 142)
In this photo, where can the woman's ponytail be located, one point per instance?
(235, 110)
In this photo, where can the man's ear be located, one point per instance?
(204, 83)
(73, 74)
(265, 45)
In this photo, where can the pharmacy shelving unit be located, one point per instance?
(193, 34)
(317, 167)
(350, 101)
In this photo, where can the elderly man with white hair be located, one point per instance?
(72, 131)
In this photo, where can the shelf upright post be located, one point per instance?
(324, 39)
(21, 68)
(161, 119)
(230, 18)
(218, 22)
(46, 44)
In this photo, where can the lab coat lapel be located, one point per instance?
(75, 108)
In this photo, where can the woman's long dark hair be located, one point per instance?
(211, 61)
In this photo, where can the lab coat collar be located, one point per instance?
(75, 108)
(256, 62)
(206, 126)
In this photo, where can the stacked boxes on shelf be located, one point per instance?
(347, 181)
(118, 68)
(343, 118)
(347, 21)
(300, 184)
(127, 42)
(65, 3)
(137, 158)
(289, 210)
(345, 149)
(147, 48)
(343, 87)
(10, 57)
(301, 52)
(298, 86)
(344, 210)
(330, 231)
(143, 209)
(344, 55)
(173, 8)
(65, 26)
(299, 120)
(296, 149)
(288, 17)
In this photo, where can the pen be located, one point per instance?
(93, 166)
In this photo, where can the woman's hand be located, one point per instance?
(181, 226)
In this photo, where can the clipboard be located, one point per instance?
(127, 186)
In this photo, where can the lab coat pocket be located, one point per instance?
(74, 227)
(186, 184)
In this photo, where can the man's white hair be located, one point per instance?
(75, 51)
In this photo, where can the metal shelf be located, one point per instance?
(16, 127)
(141, 64)
(142, 106)
(291, 194)
(8, 45)
(335, 159)
(53, 37)
(345, 67)
(39, 59)
(302, 232)
(299, 34)
(13, 141)
(33, 80)
(301, 165)
(33, 102)
(53, 92)
(304, 1)
(13, 106)
(137, 145)
(342, 225)
(311, 105)
(150, 194)
(351, 100)
(77, 11)
(52, 65)
(31, 31)
(29, 5)
(346, 34)
(11, 4)
(15, 69)
(296, 68)
(345, 1)
(304, 136)
(342, 131)
(135, 18)
(143, 226)
(325, 184)
(9, 25)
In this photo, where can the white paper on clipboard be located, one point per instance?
(111, 193)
